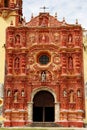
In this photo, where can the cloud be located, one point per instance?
(69, 9)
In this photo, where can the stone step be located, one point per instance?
(43, 124)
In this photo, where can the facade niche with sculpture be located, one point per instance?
(44, 57)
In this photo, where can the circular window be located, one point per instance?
(43, 59)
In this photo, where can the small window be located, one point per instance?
(43, 59)
(6, 3)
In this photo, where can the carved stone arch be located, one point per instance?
(43, 89)
(56, 103)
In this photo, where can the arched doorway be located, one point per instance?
(43, 107)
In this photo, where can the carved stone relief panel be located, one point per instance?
(43, 38)
(43, 20)
(30, 59)
(10, 39)
(77, 40)
(56, 38)
(31, 38)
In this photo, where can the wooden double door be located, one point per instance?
(43, 107)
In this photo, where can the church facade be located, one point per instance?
(44, 76)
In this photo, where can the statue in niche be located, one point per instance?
(70, 63)
(71, 96)
(22, 93)
(78, 93)
(8, 93)
(43, 76)
(64, 93)
(70, 38)
(17, 63)
(17, 39)
(15, 96)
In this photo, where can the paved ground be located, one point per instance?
(41, 128)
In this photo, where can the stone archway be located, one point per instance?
(52, 106)
(43, 107)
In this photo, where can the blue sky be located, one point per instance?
(70, 9)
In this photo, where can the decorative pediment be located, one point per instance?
(44, 20)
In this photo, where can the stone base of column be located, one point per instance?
(70, 124)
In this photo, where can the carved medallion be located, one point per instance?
(56, 59)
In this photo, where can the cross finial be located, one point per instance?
(44, 8)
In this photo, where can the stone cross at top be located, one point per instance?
(44, 8)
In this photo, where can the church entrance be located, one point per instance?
(43, 107)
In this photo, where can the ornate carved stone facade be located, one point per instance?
(44, 73)
(10, 7)
(10, 14)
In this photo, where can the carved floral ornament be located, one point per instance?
(56, 59)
